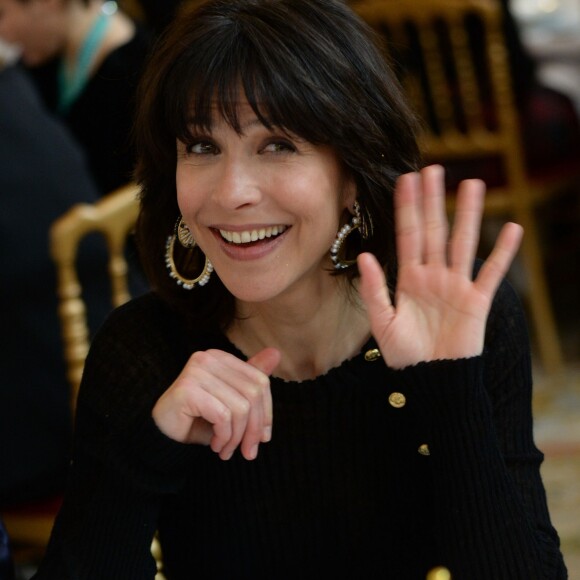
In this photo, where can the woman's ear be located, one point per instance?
(350, 193)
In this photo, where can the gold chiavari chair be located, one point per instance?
(114, 217)
(470, 124)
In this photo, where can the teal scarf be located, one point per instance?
(72, 81)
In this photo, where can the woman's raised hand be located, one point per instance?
(221, 401)
(439, 311)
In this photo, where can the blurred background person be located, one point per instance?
(85, 57)
(42, 174)
(550, 124)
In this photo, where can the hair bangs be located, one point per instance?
(231, 69)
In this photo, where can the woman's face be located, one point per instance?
(37, 27)
(264, 207)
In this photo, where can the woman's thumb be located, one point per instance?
(266, 360)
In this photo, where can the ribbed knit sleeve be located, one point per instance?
(491, 517)
(122, 464)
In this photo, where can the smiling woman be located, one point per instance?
(258, 182)
(303, 391)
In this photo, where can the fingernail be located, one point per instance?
(253, 452)
(267, 434)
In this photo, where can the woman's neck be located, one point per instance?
(94, 31)
(314, 333)
(81, 18)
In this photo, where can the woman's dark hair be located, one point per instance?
(311, 67)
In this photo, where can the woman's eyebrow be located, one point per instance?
(196, 122)
(251, 124)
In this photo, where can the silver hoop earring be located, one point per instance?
(185, 237)
(341, 236)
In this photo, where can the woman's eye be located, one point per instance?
(202, 148)
(279, 147)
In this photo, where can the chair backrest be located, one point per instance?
(114, 217)
(452, 59)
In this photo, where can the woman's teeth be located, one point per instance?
(251, 235)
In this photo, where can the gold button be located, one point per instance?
(424, 449)
(397, 400)
(373, 354)
(439, 573)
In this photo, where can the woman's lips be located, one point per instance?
(252, 243)
(251, 235)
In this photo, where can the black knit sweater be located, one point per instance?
(345, 488)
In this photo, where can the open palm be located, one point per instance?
(439, 311)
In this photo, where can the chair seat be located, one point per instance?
(31, 522)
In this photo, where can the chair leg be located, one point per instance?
(156, 551)
(542, 312)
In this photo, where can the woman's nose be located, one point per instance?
(238, 184)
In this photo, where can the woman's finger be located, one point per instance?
(250, 403)
(238, 387)
(466, 227)
(408, 218)
(497, 264)
(210, 419)
(266, 361)
(243, 394)
(374, 292)
(435, 224)
(255, 423)
(214, 401)
(240, 410)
